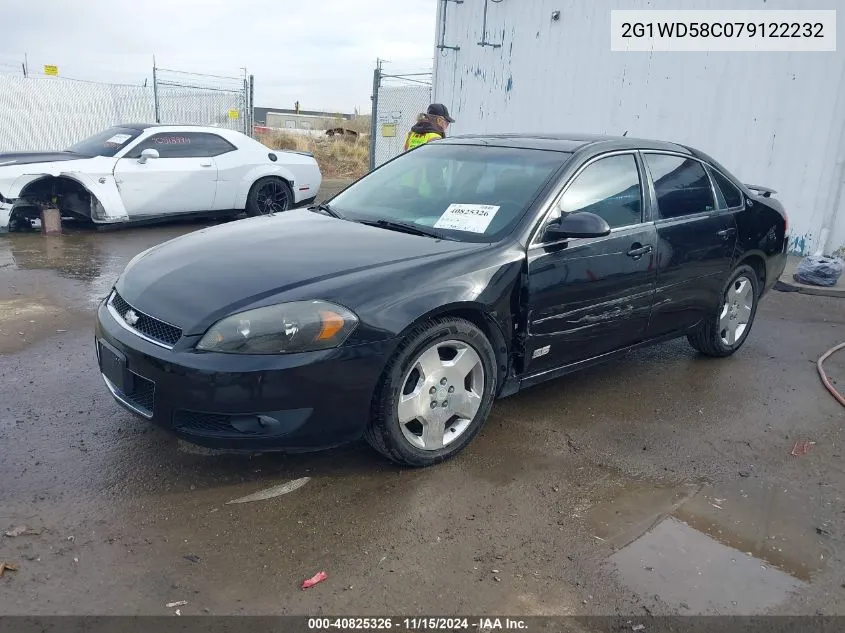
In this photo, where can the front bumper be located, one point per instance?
(5, 215)
(288, 402)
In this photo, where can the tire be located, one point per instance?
(419, 378)
(728, 327)
(269, 195)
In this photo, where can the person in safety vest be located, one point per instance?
(429, 126)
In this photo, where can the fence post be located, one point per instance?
(155, 93)
(251, 105)
(374, 114)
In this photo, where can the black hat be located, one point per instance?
(438, 109)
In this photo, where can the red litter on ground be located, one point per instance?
(318, 577)
(801, 448)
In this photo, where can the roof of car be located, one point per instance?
(563, 142)
(145, 126)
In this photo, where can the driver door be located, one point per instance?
(183, 179)
(591, 296)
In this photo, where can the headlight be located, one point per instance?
(300, 326)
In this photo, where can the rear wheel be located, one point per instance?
(728, 327)
(435, 395)
(269, 195)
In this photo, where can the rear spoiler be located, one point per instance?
(763, 191)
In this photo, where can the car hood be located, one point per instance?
(196, 279)
(27, 158)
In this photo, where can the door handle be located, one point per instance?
(638, 251)
(726, 233)
(208, 164)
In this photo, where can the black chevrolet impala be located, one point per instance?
(462, 271)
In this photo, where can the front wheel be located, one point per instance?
(269, 195)
(435, 395)
(727, 328)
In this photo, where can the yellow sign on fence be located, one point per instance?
(51, 70)
(388, 130)
(234, 114)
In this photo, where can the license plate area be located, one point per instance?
(113, 367)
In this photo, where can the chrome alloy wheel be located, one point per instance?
(441, 394)
(736, 311)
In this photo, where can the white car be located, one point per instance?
(147, 172)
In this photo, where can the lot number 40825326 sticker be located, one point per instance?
(473, 218)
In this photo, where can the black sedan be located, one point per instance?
(457, 273)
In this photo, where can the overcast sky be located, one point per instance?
(321, 52)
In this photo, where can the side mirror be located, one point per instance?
(578, 224)
(147, 154)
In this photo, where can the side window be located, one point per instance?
(731, 196)
(610, 188)
(681, 184)
(183, 145)
(216, 145)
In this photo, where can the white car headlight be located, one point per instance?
(299, 326)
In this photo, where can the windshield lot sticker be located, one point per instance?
(118, 139)
(473, 218)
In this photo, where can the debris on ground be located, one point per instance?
(275, 491)
(316, 578)
(178, 612)
(192, 557)
(802, 448)
(818, 270)
(638, 627)
(7, 567)
(21, 530)
(178, 603)
(822, 531)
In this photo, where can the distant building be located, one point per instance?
(293, 120)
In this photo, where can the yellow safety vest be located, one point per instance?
(414, 140)
(419, 180)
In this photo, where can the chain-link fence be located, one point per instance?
(397, 101)
(186, 98)
(52, 113)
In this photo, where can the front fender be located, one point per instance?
(490, 294)
(106, 192)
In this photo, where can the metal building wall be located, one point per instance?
(774, 119)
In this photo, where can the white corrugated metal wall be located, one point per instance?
(774, 119)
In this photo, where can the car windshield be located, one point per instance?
(474, 193)
(105, 143)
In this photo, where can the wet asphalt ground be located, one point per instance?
(659, 484)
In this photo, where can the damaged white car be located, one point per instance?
(146, 173)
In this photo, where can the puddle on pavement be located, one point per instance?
(23, 321)
(705, 550)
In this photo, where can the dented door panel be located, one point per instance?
(588, 297)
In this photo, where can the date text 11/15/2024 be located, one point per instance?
(478, 624)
